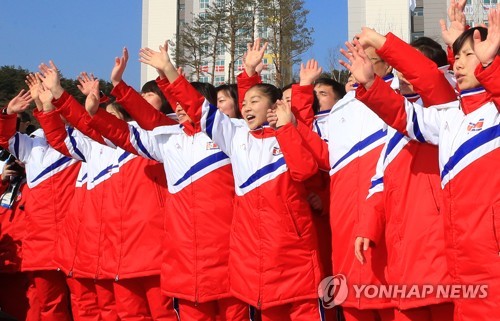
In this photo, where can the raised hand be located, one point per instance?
(19, 103)
(51, 78)
(284, 113)
(359, 64)
(457, 19)
(253, 57)
(35, 85)
(272, 118)
(46, 99)
(487, 50)
(160, 60)
(119, 67)
(92, 101)
(370, 38)
(310, 72)
(86, 82)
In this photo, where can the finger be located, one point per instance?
(302, 66)
(357, 251)
(256, 45)
(264, 48)
(346, 65)
(366, 244)
(348, 55)
(53, 66)
(442, 23)
(352, 50)
(476, 37)
(125, 54)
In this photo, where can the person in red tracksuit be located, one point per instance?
(468, 136)
(15, 285)
(273, 255)
(194, 268)
(47, 171)
(349, 148)
(413, 226)
(83, 301)
(129, 227)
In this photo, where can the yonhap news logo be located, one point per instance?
(334, 290)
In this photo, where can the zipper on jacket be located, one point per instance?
(259, 219)
(194, 230)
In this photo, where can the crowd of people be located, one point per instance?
(190, 202)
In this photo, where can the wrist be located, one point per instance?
(369, 83)
(57, 92)
(250, 71)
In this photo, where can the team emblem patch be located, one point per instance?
(212, 146)
(276, 151)
(475, 127)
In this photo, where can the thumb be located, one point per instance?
(366, 244)
(477, 37)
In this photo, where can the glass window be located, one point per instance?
(204, 4)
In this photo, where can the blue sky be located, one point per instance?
(87, 35)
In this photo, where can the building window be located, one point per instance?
(204, 4)
(221, 49)
(204, 79)
(418, 12)
(221, 3)
(219, 80)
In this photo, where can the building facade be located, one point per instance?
(395, 16)
(165, 19)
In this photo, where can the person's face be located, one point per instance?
(380, 67)
(465, 64)
(181, 114)
(326, 96)
(287, 97)
(153, 99)
(226, 104)
(113, 111)
(255, 106)
(23, 125)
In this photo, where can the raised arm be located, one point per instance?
(139, 109)
(303, 94)
(66, 104)
(428, 81)
(488, 70)
(16, 143)
(132, 139)
(247, 79)
(410, 119)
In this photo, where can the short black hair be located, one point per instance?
(152, 87)
(466, 36)
(337, 87)
(270, 91)
(207, 90)
(232, 91)
(122, 110)
(431, 49)
(289, 86)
